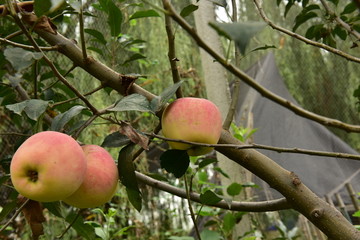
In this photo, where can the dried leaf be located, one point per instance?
(127, 130)
(34, 216)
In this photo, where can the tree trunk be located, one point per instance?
(217, 90)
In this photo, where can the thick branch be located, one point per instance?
(273, 205)
(301, 198)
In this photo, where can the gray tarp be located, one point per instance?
(280, 127)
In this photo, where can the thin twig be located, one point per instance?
(27, 47)
(304, 39)
(18, 211)
(69, 226)
(172, 54)
(265, 147)
(49, 62)
(261, 206)
(82, 35)
(191, 209)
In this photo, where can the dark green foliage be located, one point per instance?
(175, 161)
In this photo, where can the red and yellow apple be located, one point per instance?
(101, 179)
(192, 119)
(48, 166)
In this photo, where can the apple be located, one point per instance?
(101, 180)
(48, 166)
(192, 119)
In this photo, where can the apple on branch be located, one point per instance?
(48, 166)
(192, 119)
(101, 179)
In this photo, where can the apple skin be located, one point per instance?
(194, 120)
(48, 166)
(101, 180)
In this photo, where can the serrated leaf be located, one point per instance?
(159, 102)
(127, 176)
(133, 102)
(209, 198)
(115, 139)
(143, 14)
(240, 33)
(63, 118)
(97, 35)
(234, 189)
(83, 229)
(186, 11)
(33, 108)
(20, 59)
(175, 161)
(134, 57)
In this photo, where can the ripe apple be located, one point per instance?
(101, 179)
(48, 166)
(194, 120)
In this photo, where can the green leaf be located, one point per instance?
(209, 198)
(356, 214)
(186, 11)
(210, 235)
(45, 7)
(159, 102)
(21, 59)
(127, 176)
(143, 14)
(115, 139)
(302, 18)
(115, 16)
(240, 33)
(134, 57)
(83, 229)
(229, 222)
(63, 118)
(175, 161)
(33, 108)
(206, 162)
(221, 3)
(133, 102)
(180, 238)
(234, 189)
(340, 32)
(349, 8)
(335, 2)
(54, 208)
(97, 35)
(262, 48)
(10, 205)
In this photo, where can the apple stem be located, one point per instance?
(33, 175)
